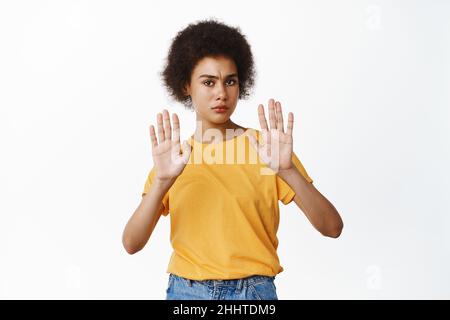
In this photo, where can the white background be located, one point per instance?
(368, 82)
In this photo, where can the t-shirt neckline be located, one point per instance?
(191, 139)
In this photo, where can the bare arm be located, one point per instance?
(144, 219)
(169, 161)
(319, 211)
(276, 150)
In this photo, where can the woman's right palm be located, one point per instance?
(167, 159)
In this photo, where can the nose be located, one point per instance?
(221, 92)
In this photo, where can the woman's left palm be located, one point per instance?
(276, 146)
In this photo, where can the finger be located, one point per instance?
(187, 149)
(290, 125)
(159, 120)
(167, 126)
(153, 137)
(266, 138)
(262, 117)
(176, 128)
(280, 124)
(253, 141)
(272, 117)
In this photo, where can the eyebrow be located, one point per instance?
(215, 77)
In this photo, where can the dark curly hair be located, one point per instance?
(206, 38)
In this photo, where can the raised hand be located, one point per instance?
(167, 159)
(276, 146)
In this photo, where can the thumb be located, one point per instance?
(253, 141)
(186, 151)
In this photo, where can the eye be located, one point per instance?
(209, 83)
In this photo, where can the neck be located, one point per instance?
(202, 126)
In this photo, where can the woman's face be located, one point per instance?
(214, 82)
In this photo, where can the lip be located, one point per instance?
(220, 110)
(222, 106)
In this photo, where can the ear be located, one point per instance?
(187, 89)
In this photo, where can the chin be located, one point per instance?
(220, 122)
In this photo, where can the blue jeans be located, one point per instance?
(251, 288)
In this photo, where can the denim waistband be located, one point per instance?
(255, 279)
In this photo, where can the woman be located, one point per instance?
(224, 206)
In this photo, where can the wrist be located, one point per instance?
(164, 184)
(283, 173)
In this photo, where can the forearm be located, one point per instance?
(319, 211)
(141, 224)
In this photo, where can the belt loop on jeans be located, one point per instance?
(189, 282)
(239, 285)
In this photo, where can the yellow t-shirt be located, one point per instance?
(225, 215)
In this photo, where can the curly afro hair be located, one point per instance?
(202, 39)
